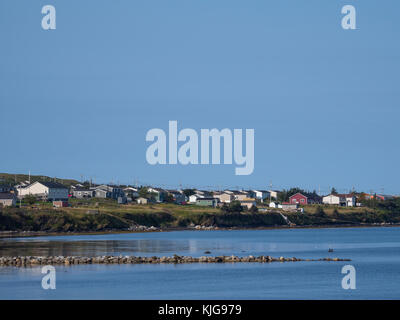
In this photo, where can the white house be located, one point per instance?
(141, 200)
(275, 205)
(131, 192)
(344, 200)
(81, 193)
(49, 191)
(273, 193)
(223, 197)
(248, 202)
(193, 198)
(239, 195)
(261, 194)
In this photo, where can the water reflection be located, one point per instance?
(92, 248)
(301, 243)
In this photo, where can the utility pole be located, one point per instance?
(270, 191)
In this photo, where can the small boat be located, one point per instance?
(330, 250)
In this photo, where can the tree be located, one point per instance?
(143, 192)
(189, 192)
(253, 209)
(333, 191)
(233, 207)
(225, 208)
(30, 199)
(320, 212)
(169, 198)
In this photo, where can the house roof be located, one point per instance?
(157, 189)
(308, 196)
(248, 200)
(206, 199)
(385, 195)
(83, 189)
(240, 193)
(54, 185)
(6, 195)
(174, 191)
(131, 188)
(298, 193)
(341, 195)
(222, 194)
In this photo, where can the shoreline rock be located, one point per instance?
(24, 261)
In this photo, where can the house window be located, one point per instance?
(302, 200)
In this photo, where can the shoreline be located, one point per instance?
(26, 261)
(21, 234)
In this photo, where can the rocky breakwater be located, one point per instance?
(22, 261)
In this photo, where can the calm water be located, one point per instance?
(375, 253)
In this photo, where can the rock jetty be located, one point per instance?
(22, 261)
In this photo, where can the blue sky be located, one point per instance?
(324, 102)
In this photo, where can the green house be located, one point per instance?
(207, 202)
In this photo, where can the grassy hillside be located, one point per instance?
(12, 179)
(103, 215)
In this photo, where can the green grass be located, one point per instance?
(87, 215)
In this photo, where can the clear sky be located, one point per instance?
(323, 101)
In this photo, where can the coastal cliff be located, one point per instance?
(169, 217)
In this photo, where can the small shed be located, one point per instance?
(60, 204)
(141, 200)
(7, 199)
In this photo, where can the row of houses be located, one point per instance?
(344, 200)
(54, 191)
(250, 198)
(247, 198)
(227, 196)
(49, 191)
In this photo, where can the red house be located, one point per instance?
(298, 198)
